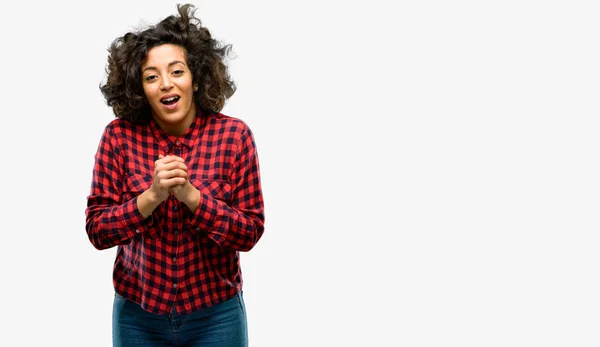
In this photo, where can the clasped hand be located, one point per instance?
(171, 177)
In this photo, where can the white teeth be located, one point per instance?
(170, 99)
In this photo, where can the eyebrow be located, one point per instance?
(170, 64)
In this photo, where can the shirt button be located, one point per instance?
(174, 260)
(175, 208)
(137, 231)
(178, 143)
(174, 285)
(176, 232)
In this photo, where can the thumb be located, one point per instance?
(160, 156)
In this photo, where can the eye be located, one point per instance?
(178, 72)
(150, 78)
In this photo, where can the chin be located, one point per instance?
(172, 118)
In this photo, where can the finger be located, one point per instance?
(169, 158)
(158, 163)
(172, 182)
(171, 166)
(163, 175)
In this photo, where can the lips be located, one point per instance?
(170, 101)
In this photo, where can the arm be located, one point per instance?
(240, 225)
(110, 221)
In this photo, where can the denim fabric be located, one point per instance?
(222, 325)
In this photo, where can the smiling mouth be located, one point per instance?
(170, 101)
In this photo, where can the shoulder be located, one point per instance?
(229, 121)
(119, 128)
(227, 124)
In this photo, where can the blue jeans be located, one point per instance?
(222, 325)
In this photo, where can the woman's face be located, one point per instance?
(167, 83)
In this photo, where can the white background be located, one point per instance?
(430, 169)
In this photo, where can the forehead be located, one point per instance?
(163, 55)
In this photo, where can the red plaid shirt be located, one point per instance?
(175, 256)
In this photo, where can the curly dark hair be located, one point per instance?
(206, 56)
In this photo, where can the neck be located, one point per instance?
(177, 129)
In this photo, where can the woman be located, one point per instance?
(176, 187)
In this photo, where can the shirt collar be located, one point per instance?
(189, 138)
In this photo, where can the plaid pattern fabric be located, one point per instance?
(176, 256)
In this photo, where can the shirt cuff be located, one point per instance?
(207, 216)
(134, 222)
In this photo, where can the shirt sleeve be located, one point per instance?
(240, 224)
(110, 221)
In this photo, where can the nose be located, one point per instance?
(166, 83)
